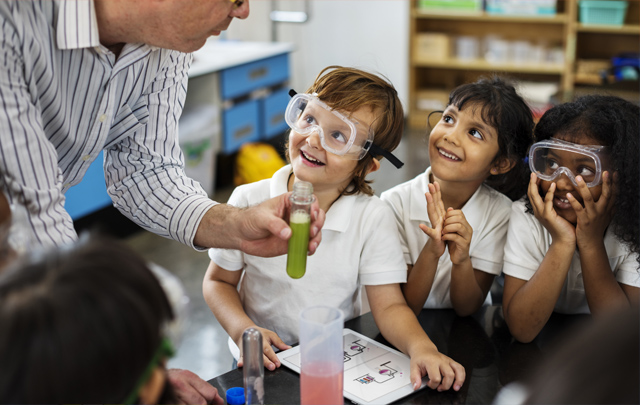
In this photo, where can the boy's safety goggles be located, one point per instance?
(340, 135)
(553, 157)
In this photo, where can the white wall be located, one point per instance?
(368, 34)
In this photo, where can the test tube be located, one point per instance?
(299, 221)
(253, 369)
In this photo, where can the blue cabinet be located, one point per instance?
(272, 113)
(90, 194)
(255, 95)
(244, 79)
(241, 124)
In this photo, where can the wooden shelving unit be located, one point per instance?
(580, 43)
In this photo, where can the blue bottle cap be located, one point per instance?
(235, 396)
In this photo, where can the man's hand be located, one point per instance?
(191, 389)
(261, 230)
(264, 230)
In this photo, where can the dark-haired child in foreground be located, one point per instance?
(84, 324)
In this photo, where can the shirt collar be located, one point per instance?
(472, 209)
(338, 217)
(77, 25)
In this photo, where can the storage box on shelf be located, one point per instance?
(609, 12)
(542, 8)
(456, 6)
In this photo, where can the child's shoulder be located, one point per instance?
(250, 194)
(416, 185)
(493, 197)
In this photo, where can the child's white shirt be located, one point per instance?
(360, 246)
(528, 242)
(487, 211)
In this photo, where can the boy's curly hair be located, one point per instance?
(505, 110)
(349, 89)
(613, 122)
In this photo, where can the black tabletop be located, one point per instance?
(481, 343)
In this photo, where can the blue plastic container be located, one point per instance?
(606, 12)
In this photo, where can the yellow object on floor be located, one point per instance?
(256, 161)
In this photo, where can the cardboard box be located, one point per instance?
(431, 47)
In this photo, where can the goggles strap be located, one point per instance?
(375, 150)
(163, 351)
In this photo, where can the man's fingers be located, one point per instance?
(191, 389)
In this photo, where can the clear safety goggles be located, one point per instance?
(552, 158)
(340, 135)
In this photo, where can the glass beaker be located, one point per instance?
(321, 356)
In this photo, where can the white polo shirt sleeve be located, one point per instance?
(487, 212)
(232, 259)
(398, 199)
(526, 243)
(382, 260)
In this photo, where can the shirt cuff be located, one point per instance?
(228, 259)
(186, 217)
(384, 277)
(514, 270)
(486, 266)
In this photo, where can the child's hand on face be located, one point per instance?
(559, 228)
(436, 211)
(270, 358)
(444, 373)
(457, 232)
(594, 217)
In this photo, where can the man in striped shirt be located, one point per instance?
(78, 77)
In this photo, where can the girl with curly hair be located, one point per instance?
(572, 245)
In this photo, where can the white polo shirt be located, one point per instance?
(360, 246)
(487, 211)
(528, 242)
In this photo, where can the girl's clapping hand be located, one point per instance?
(436, 212)
(457, 233)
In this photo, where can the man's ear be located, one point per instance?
(374, 166)
(502, 166)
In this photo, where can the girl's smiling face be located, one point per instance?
(462, 147)
(564, 185)
(325, 170)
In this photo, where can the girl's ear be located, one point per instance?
(502, 166)
(150, 392)
(374, 166)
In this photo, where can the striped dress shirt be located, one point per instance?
(65, 97)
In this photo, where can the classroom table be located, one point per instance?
(481, 343)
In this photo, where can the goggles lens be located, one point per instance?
(552, 158)
(338, 134)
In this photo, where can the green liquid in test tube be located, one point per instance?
(299, 221)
